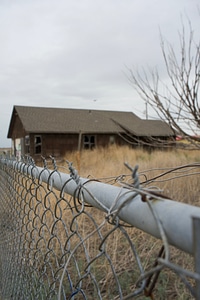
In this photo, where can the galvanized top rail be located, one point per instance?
(175, 218)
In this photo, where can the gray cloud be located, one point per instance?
(69, 53)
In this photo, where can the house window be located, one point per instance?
(38, 144)
(27, 144)
(112, 139)
(88, 141)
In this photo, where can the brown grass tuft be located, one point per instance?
(109, 162)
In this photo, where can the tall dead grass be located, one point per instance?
(102, 162)
(53, 228)
(106, 163)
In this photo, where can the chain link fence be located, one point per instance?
(66, 237)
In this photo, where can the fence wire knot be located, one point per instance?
(136, 181)
(73, 173)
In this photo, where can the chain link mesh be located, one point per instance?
(56, 246)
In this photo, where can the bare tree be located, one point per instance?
(175, 101)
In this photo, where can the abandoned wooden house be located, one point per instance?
(37, 131)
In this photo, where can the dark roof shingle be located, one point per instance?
(62, 120)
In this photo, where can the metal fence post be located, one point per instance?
(196, 245)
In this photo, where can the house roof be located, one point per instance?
(63, 120)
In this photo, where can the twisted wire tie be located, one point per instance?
(73, 172)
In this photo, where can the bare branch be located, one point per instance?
(177, 99)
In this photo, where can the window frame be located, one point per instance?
(90, 143)
(27, 144)
(37, 144)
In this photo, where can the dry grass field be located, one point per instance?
(51, 226)
(108, 164)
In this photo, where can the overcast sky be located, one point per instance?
(75, 53)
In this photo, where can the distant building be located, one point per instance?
(37, 131)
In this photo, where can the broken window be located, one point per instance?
(27, 144)
(88, 141)
(38, 144)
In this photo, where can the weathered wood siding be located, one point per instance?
(57, 145)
